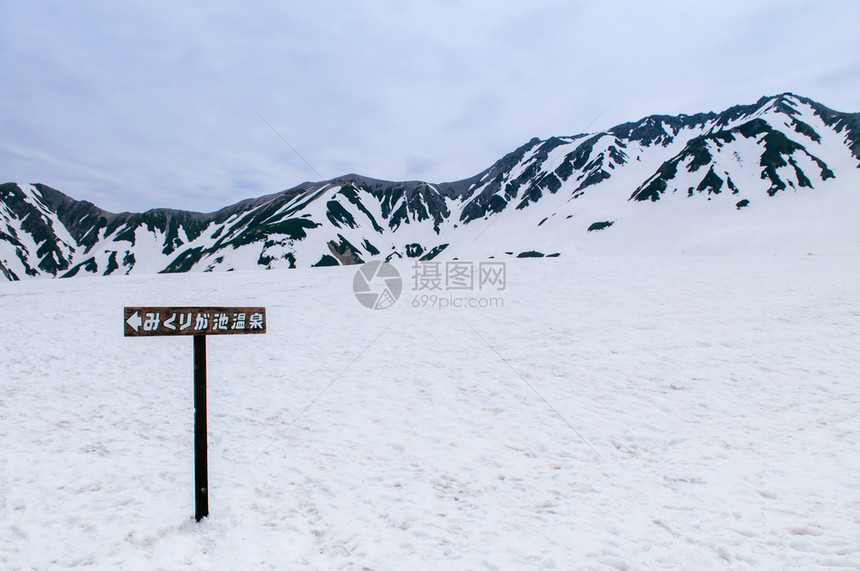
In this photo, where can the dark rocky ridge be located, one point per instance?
(360, 218)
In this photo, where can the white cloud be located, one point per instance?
(140, 105)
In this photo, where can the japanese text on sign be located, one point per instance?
(143, 321)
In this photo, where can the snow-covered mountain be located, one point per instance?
(782, 174)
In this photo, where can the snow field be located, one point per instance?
(616, 413)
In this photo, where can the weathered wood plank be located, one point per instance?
(163, 321)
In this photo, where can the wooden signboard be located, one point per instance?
(150, 321)
(199, 322)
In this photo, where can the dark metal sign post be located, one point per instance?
(201, 456)
(199, 322)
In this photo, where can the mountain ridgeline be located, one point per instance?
(724, 182)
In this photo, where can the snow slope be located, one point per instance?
(616, 413)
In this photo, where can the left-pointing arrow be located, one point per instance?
(135, 321)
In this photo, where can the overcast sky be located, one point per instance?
(138, 105)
